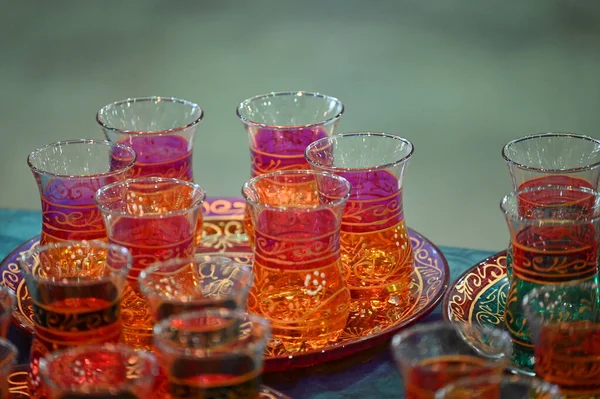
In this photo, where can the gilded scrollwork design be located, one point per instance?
(18, 384)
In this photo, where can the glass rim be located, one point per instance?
(225, 313)
(399, 338)
(27, 260)
(148, 357)
(322, 142)
(514, 216)
(520, 379)
(106, 143)
(172, 100)
(534, 136)
(532, 296)
(248, 186)
(298, 93)
(144, 276)
(13, 352)
(148, 180)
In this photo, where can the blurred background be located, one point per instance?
(459, 78)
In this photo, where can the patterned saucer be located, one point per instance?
(223, 232)
(478, 296)
(18, 386)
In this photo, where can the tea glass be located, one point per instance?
(565, 326)
(68, 174)
(7, 304)
(432, 355)
(376, 251)
(280, 125)
(299, 283)
(8, 357)
(176, 286)
(212, 353)
(156, 219)
(99, 371)
(555, 239)
(76, 290)
(499, 387)
(161, 130)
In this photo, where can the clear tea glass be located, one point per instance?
(99, 372)
(205, 281)
(213, 353)
(76, 290)
(299, 283)
(161, 130)
(564, 320)
(157, 219)
(432, 355)
(499, 387)
(280, 125)
(376, 251)
(68, 174)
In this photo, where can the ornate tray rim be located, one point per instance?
(230, 209)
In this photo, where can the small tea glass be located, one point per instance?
(157, 219)
(432, 355)
(376, 250)
(68, 174)
(280, 125)
(499, 387)
(204, 281)
(103, 371)
(212, 353)
(555, 236)
(8, 357)
(564, 320)
(76, 290)
(299, 283)
(7, 304)
(161, 130)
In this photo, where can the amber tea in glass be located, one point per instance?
(431, 355)
(204, 281)
(76, 290)
(565, 326)
(377, 254)
(499, 387)
(156, 219)
(99, 372)
(299, 283)
(213, 353)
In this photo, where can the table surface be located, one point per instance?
(369, 374)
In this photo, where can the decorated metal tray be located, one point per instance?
(223, 232)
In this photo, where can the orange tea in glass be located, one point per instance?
(299, 283)
(499, 387)
(376, 251)
(156, 219)
(432, 355)
(76, 290)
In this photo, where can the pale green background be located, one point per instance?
(458, 78)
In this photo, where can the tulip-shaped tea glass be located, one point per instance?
(205, 281)
(76, 290)
(99, 372)
(299, 283)
(157, 219)
(8, 357)
(7, 304)
(213, 353)
(565, 327)
(563, 159)
(376, 251)
(161, 131)
(553, 242)
(499, 387)
(280, 125)
(68, 174)
(432, 355)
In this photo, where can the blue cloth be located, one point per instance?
(369, 374)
